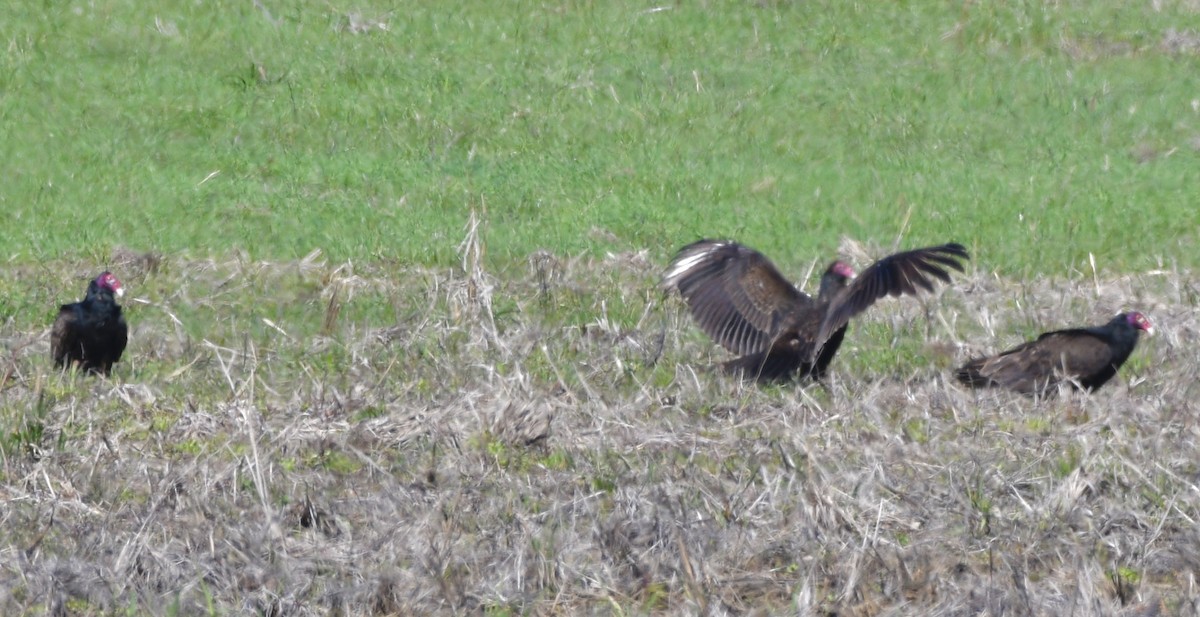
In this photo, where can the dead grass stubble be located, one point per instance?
(522, 459)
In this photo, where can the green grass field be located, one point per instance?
(1033, 133)
(338, 399)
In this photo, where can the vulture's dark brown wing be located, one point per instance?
(118, 341)
(736, 294)
(1037, 365)
(902, 273)
(63, 335)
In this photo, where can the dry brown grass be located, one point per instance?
(311, 438)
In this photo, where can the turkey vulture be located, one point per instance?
(1086, 357)
(91, 332)
(740, 300)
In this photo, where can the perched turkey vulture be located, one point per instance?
(1086, 357)
(740, 300)
(91, 332)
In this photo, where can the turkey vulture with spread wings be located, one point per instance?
(741, 300)
(91, 332)
(1085, 357)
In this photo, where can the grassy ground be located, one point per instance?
(367, 440)
(1035, 133)
(332, 403)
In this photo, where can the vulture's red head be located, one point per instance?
(107, 281)
(842, 269)
(1140, 322)
(835, 279)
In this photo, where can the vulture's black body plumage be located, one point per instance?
(91, 333)
(1084, 357)
(741, 300)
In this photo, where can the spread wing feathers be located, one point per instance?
(895, 275)
(1037, 365)
(63, 335)
(736, 294)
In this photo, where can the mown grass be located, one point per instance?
(1036, 133)
(392, 444)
